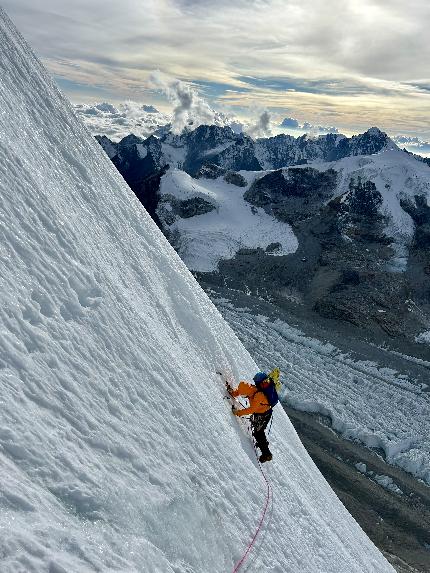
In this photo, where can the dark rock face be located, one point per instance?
(240, 156)
(420, 213)
(363, 199)
(368, 143)
(130, 140)
(203, 144)
(359, 213)
(169, 208)
(210, 171)
(235, 179)
(147, 191)
(140, 163)
(220, 146)
(195, 206)
(292, 194)
(273, 247)
(284, 150)
(418, 270)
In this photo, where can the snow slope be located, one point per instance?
(233, 224)
(117, 452)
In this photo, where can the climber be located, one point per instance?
(262, 397)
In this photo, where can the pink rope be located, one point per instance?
(263, 515)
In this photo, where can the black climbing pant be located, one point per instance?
(258, 425)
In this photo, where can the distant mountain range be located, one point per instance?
(221, 146)
(337, 225)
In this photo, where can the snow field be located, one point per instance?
(423, 337)
(363, 402)
(117, 452)
(219, 234)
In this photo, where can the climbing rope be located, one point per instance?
(260, 523)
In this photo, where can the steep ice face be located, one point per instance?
(117, 451)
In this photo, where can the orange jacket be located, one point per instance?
(258, 403)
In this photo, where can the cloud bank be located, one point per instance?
(273, 54)
(189, 111)
(291, 123)
(414, 144)
(117, 121)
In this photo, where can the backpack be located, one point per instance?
(271, 391)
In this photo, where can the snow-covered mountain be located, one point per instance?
(142, 161)
(357, 229)
(221, 146)
(358, 209)
(209, 220)
(117, 451)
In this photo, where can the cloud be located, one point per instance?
(195, 39)
(270, 53)
(262, 126)
(414, 144)
(189, 108)
(117, 121)
(290, 122)
(319, 128)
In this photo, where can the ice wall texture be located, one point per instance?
(117, 452)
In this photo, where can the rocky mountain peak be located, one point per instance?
(130, 140)
(370, 142)
(210, 134)
(110, 148)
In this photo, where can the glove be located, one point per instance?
(235, 410)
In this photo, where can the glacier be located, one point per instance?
(117, 452)
(231, 225)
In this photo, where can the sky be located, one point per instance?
(340, 64)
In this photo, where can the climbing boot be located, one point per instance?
(265, 457)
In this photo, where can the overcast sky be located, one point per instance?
(345, 63)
